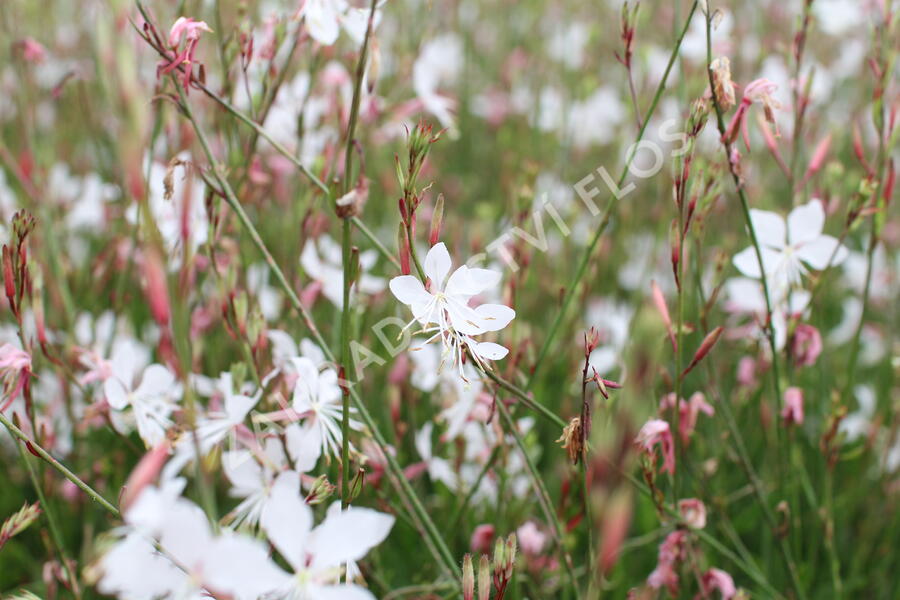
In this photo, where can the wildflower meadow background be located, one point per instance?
(480, 299)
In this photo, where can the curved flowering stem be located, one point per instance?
(610, 208)
(36, 449)
(444, 557)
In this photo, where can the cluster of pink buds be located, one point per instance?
(629, 16)
(499, 572)
(759, 90)
(185, 33)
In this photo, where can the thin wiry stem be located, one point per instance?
(15, 431)
(346, 238)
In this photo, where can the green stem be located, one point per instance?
(15, 431)
(55, 533)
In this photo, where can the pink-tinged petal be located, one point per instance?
(437, 265)
(494, 317)
(818, 252)
(409, 290)
(348, 536)
(748, 265)
(116, 394)
(805, 223)
(287, 520)
(769, 228)
(489, 350)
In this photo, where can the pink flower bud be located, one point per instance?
(531, 539)
(792, 413)
(693, 511)
(806, 345)
(482, 538)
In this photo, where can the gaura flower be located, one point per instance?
(656, 431)
(443, 307)
(186, 30)
(693, 511)
(788, 251)
(717, 579)
(759, 90)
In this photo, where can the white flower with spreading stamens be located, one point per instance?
(443, 309)
(317, 398)
(318, 555)
(787, 251)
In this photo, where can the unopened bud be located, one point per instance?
(708, 342)
(484, 578)
(510, 555)
(357, 484)
(437, 218)
(468, 578)
(499, 557)
(403, 249)
(320, 490)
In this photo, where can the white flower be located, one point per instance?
(216, 425)
(440, 62)
(788, 251)
(318, 554)
(444, 309)
(325, 17)
(152, 402)
(317, 396)
(325, 266)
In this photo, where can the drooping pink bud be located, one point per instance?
(660, 301)
(143, 474)
(155, 287)
(482, 538)
(818, 157)
(807, 345)
(717, 579)
(693, 511)
(792, 413)
(708, 342)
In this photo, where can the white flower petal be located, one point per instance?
(489, 350)
(819, 251)
(769, 228)
(747, 264)
(494, 317)
(805, 223)
(157, 381)
(116, 394)
(240, 566)
(287, 520)
(304, 444)
(409, 290)
(437, 265)
(348, 536)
